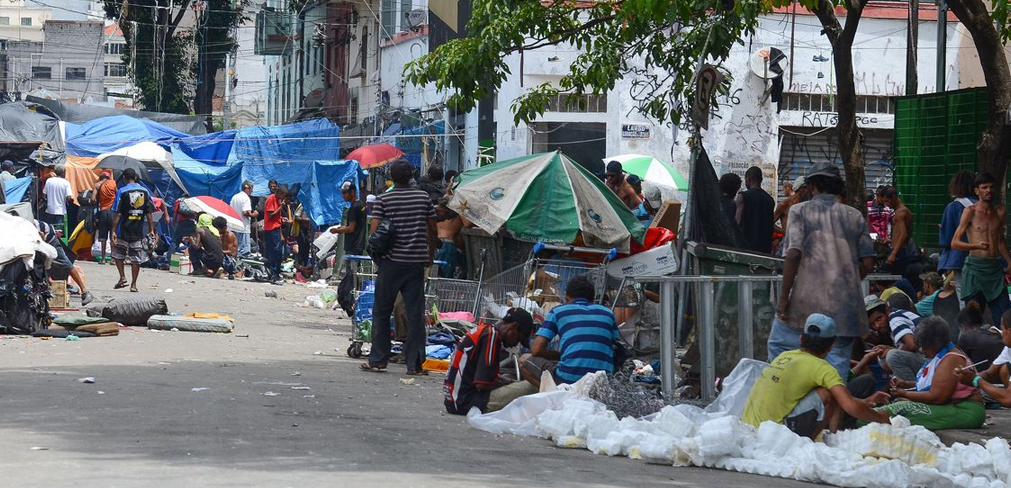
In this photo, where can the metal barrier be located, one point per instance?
(705, 286)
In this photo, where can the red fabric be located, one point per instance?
(271, 223)
(654, 238)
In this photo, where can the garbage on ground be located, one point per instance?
(132, 310)
(271, 394)
(300, 388)
(189, 324)
(438, 365)
(88, 379)
(270, 294)
(407, 381)
(438, 351)
(200, 389)
(39, 448)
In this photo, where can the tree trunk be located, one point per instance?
(847, 131)
(994, 146)
(203, 101)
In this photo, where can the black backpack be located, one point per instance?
(381, 241)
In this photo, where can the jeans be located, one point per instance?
(272, 253)
(243, 241)
(784, 338)
(997, 306)
(904, 364)
(407, 279)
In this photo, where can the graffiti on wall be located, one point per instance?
(867, 83)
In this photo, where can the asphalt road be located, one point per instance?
(190, 409)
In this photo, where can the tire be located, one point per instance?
(355, 350)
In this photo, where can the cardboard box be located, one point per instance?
(655, 262)
(60, 299)
(669, 216)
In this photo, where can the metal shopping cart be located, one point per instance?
(543, 278)
(455, 295)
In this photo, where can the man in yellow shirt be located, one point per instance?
(801, 390)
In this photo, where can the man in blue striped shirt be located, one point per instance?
(585, 332)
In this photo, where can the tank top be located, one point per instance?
(925, 377)
(757, 219)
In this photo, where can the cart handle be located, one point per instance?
(610, 253)
(351, 257)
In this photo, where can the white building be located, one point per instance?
(20, 22)
(118, 87)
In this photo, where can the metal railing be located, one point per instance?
(704, 288)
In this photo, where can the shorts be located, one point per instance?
(132, 251)
(105, 219)
(230, 264)
(806, 416)
(536, 366)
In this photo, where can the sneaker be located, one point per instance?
(87, 298)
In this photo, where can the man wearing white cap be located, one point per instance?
(354, 222)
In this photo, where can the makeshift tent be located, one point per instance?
(82, 174)
(108, 134)
(15, 190)
(79, 113)
(320, 193)
(284, 153)
(18, 123)
(213, 149)
(204, 179)
(154, 157)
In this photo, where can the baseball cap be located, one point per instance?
(524, 320)
(633, 179)
(799, 182)
(819, 325)
(106, 174)
(933, 278)
(370, 198)
(824, 168)
(614, 168)
(347, 186)
(872, 301)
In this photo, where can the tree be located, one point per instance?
(989, 33)
(160, 49)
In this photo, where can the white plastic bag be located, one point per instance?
(519, 417)
(325, 242)
(737, 387)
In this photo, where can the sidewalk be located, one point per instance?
(998, 424)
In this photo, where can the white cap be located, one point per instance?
(370, 198)
(347, 186)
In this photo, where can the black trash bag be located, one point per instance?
(346, 293)
(134, 310)
(24, 298)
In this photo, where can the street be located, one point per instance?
(260, 407)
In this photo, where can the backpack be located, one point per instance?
(381, 241)
(345, 293)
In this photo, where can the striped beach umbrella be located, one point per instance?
(651, 169)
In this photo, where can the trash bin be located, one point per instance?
(711, 260)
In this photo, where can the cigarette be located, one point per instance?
(977, 364)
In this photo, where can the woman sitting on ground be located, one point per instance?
(937, 400)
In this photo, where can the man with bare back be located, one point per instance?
(904, 250)
(987, 264)
(616, 181)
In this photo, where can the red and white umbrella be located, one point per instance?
(217, 208)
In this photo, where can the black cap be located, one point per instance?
(614, 168)
(634, 180)
(525, 322)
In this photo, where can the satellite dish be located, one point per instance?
(768, 63)
(415, 18)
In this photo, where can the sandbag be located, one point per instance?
(188, 324)
(134, 310)
(104, 329)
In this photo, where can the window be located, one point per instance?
(865, 104)
(42, 72)
(114, 48)
(5, 21)
(27, 21)
(364, 50)
(115, 70)
(76, 74)
(565, 102)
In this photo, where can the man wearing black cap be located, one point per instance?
(473, 377)
(828, 251)
(615, 179)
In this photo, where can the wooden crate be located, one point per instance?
(60, 299)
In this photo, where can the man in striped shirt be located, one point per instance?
(412, 216)
(585, 331)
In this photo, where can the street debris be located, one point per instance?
(88, 379)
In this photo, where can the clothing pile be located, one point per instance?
(24, 285)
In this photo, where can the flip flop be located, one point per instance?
(365, 366)
(121, 284)
(133, 289)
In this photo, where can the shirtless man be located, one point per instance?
(798, 193)
(449, 224)
(615, 179)
(904, 249)
(984, 271)
(229, 246)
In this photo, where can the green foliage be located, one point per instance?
(658, 43)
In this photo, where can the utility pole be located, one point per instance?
(942, 45)
(228, 91)
(912, 42)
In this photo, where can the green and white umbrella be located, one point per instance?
(545, 197)
(651, 169)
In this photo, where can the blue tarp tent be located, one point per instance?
(284, 153)
(205, 179)
(15, 190)
(213, 149)
(320, 192)
(108, 134)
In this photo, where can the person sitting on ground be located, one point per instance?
(586, 332)
(205, 251)
(229, 247)
(904, 359)
(936, 399)
(801, 390)
(981, 343)
(932, 286)
(997, 372)
(63, 266)
(473, 378)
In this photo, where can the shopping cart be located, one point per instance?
(454, 295)
(543, 278)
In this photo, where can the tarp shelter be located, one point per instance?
(156, 159)
(320, 192)
(19, 124)
(213, 149)
(284, 153)
(81, 174)
(200, 178)
(78, 113)
(15, 190)
(109, 134)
